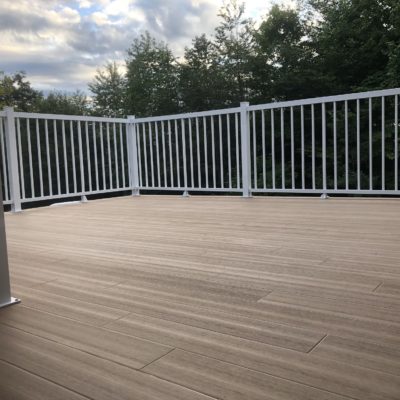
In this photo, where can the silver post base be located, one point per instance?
(12, 301)
(135, 192)
(185, 194)
(84, 199)
(324, 196)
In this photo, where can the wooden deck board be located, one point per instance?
(228, 381)
(82, 372)
(360, 352)
(18, 384)
(163, 297)
(148, 303)
(322, 373)
(122, 349)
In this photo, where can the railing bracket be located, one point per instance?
(324, 196)
(185, 194)
(13, 300)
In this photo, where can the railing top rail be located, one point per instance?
(68, 117)
(326, 99)
(189, 115)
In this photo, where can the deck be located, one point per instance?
(165, 297)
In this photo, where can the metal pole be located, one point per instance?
(245, 144)
(5, 291)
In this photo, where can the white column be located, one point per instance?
(245, 145)
(132, 156)
(12, 158)
(5, 291)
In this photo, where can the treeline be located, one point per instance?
(16, 91)
(322, 47)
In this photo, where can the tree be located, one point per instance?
(286, 63)
(152, 78)
(201, 83)
(63, 103)
(357, 42)
(234, 40)
(16, 91)
(109, 90)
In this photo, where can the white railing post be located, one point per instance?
(81, 166)
(132, 156)
(245, 147)
(12, 158)
(5, 290)
(324, 183)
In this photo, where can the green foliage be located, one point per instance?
(356, 42)
(323, 47)
(201, 83)
(109, 91)
(152, 78)
(63, 103)
(234, 40)
(16, 91)
(286, 60)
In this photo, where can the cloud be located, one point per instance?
(61, 43)
(85, 4)
(177, 18)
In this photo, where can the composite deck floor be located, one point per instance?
(162, 297)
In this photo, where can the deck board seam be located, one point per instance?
(157, 359)
(316, 344)
(380, 284)
(114, 320)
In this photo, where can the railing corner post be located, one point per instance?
(133, 156)
(12, 160)
(245, 148)
(5, 290)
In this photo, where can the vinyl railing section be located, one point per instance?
(45, 156)
(340, 144)
(190, 152)
(345, 144)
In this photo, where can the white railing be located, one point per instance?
(337, 144)
(60, 156)
(196, 151)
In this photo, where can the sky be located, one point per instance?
(60, 44)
